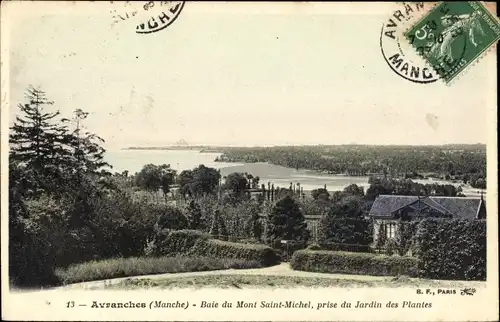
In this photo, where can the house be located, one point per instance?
(387, 210)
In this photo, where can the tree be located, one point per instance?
(193, 214)
(169, 218)
(185, 180)
(236, 182)
(345, 224)
(85, 147)
(354, 190)
(286, 221)
(218, 228)
(167, 178)
(256, 226)
(381, 236)
(320, 194)
(255, 182)
(36, 140)
(153, 177)
(149, 178)
(200, 181)
(404, 236)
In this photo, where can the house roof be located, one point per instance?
(458, 207)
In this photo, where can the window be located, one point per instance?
(390, 230)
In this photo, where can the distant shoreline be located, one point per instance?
(221, 147)
(201, 149)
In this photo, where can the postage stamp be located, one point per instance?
(454, 35)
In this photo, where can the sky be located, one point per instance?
(239, 74)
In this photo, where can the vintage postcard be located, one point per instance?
(249, 161)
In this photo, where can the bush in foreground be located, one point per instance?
(262, 254)
(353, 263)
(452, 249)
(122, 267)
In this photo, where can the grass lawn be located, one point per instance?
(260, 281)
(133, 266)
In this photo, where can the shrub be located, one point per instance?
(169, 217)
(390, 247)
(451, 249)
(264, 255)
(347, 247)
(177, 242)
(405, 234)
(314, 247)
(353, 263)
(133, 266)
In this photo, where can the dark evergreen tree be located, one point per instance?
(381, 236)
(256, 226)
(218, 228)
(36, 139)
(286, 221)
(193, 215)
(84, 147)
(37, 142)
(344, 224)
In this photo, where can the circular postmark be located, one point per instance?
(396, 50)
(163, 14)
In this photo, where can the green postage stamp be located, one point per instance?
(453, 35)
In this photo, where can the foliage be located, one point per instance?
(153, 177)
(379, 186)
(193, 214)
(200, 181)
(451, 249)
(218, 228)
(320, 194)
(286, 221)
(353, 263)
(450, 160)
(314, 247)
(36, 140)
(345, 224)
(242, 218)
(390, 247)
(123, 224)
(354, 190)
(405, 233)
(169, 217)
(85, 147)
(31, 256)
(381, 236)
(237, 183)
(133, 266)
(177, 242)
(262, 254)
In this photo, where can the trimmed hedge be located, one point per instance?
(314, 247)
(177, 242)
(353, 263)
(451, 249)
(133, 266)
(264, 255)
